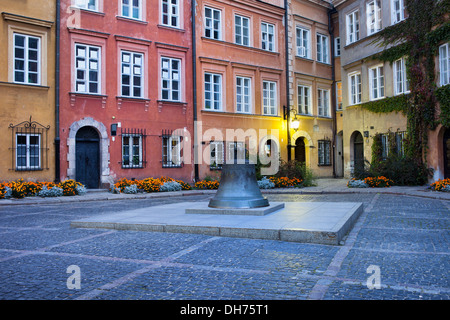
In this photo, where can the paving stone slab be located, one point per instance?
(311, 222)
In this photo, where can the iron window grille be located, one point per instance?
(133, 148)
(171, 149)
(324, 148)
(29, 146)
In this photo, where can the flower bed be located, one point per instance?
(20, 189)
(371, 182)
(441, 185)
(148, 185)
(207, 184)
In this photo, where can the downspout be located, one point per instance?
(288, 104)
(194, 86)
(332, 11)
(57, 89)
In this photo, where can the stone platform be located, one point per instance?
(203, 208)
(311, 222)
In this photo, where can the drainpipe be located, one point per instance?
(332, 11)
(194, 85)
(57, 88)
(288, 104)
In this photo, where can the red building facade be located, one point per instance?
(125, 90)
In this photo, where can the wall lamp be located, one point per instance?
(295, 122)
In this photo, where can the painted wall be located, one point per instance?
(114, 33)
(21, 102)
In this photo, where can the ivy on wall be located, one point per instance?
(417, 38)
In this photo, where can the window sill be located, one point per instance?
(97, 13)
(23, 85)
(127, 19)
(162, 26)
(162, 103)
(121, 99)
(236, 45)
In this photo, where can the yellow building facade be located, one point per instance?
(27, 90)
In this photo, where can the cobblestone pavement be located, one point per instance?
(399, 247)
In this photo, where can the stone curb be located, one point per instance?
(107, 196)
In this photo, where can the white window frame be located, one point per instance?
(323, 48)
(401, 82)
(91, 64)
(213, 24)
(26, 60)
(444, 64)
(324, 152)
(337, 47)
(376, 82)
(170, 76)
(397, 14)
(268, 36)
(323, 102)
(339, 102)
(131, 151)
(352, 26)
(130, 6)
(303, 41)
(133, 68)
(87, 4)
(269, 98)
(241, 32)
(304, 100)
(173, 11)
(216, 154)
(28, 155)
(172, 147)
(214, 91)
(374, 16)
(354, 88)
(243, 99)
(239, 146)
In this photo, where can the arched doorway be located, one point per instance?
(300, 150)
(358, 152)
(87, 157)
(446, 142)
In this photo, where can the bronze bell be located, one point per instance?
(238, 188)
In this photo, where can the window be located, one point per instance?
(444, 64)
(171, 151)
(376, 82)
(132, 151)
(324, 150)
(241, 30)
(322, 48)
(384, 146)
(323, 102)
(355, 88)
(87, 69)
(171, 79)
(401, 83)
(398, 11)
(339, 95)
(132, 65)
(132, 9)
(28, 148)
(236, 152)
(304, 99)
(213, 23)
(400, 142)
(303, 43)
(87, 4)
(267, 36)
(26, 59)
(243, 94)
(216, 154)
(269, 98)
(170, 13)
(373, 17)
(213, 91)
(337, 47)
(352, 27)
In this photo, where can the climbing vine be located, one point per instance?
(390, 104)
(417, 38)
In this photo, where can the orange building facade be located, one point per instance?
(240, 83)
